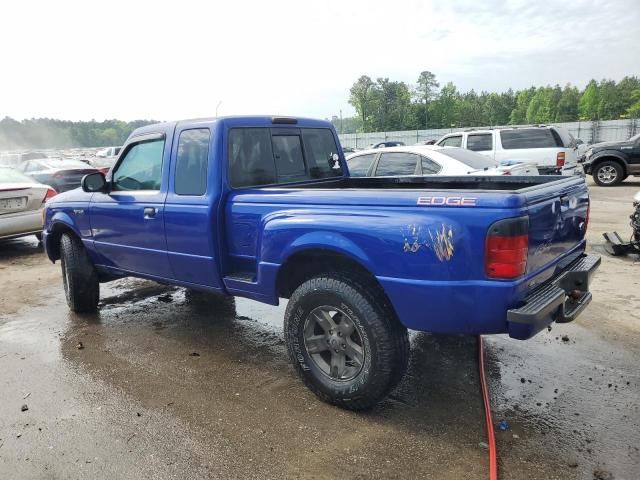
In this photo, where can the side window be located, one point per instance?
(192, 162)
(141, 168)
(455, 141)
(527, 138)
(397, 163)
(480, 142)
(251, 157)
(287, 151)
(429, 167)
(359, 166)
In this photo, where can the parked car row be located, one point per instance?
(62, 175)
(551, 148)
(430, 160)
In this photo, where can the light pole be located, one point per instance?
(218, 106)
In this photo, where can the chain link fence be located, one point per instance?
(589, 132)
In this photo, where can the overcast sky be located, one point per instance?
(131, 59)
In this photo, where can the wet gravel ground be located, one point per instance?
(163, 383)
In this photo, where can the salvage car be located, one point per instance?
(21, 204)
(430, 160)
(108, 152)
(62, 175)
(265, 208)
(612, 162)
(551, 148)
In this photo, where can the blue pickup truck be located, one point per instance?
(264, 208)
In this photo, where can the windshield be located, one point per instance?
(471, 159)
(9, 175)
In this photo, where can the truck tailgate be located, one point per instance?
(557, 223)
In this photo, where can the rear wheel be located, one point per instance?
(347, 345)
(79, 276)
(608, 173)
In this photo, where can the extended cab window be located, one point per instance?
(192, 162)
(528, 138)
(397, 164)
(480, 142)
(263, 156)
(141, 168)
(454, 141)
(359, 166)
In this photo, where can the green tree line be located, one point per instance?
(50, 133)
(386, 105)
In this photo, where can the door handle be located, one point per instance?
(150, 212)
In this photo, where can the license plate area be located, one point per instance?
(12, 204)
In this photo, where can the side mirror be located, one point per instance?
(94, 182)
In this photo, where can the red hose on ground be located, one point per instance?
(491, 439)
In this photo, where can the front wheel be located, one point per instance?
(79, 276)
(608, 173)
(345, 342)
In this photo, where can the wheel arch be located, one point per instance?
(58, 228)
(611, 157)
(310, 262)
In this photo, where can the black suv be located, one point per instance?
(611, 162)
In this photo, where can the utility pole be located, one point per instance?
(218, 106)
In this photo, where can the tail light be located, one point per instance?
(560, 159)
(506, 248)
(50, 194)
(506, 172)
(586, 219)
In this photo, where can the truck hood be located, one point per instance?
(605, 145)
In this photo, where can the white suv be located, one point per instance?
(552, 149)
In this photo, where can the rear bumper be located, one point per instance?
(560, 300)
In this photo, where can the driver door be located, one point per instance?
(128, 222)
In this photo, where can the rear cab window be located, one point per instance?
(259, 156)
(529, 138)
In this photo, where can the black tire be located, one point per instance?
(79, 276)
(384, 343)
(608, 173)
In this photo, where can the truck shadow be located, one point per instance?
(442, 373)
(177, 350)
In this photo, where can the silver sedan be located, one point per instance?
(21, 202)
